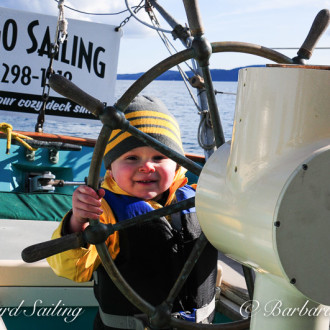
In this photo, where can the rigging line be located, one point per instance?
(167, 41)
(189, 67)
(153, 17)
(88, 13)
(164, 39)
(144, 23)
(190, 92)
(182, 73)
(171, 44)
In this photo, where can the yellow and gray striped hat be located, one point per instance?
(150, 115)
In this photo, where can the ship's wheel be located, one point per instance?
(113, 118)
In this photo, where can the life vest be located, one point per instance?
(151, 257)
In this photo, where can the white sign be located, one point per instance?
(88, 58)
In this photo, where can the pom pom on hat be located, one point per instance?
(150, 115)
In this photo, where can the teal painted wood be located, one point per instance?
(15, 167)
(50, 318)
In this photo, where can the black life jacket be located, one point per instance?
(151, 257)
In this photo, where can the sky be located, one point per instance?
(280, 23)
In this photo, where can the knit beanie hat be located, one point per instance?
(150, 115)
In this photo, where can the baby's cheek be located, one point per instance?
(168, 181)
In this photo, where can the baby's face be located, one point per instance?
(143, 172)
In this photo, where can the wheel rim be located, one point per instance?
(93, 177)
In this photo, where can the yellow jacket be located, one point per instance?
(79, 264)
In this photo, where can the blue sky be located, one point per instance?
(281, 23)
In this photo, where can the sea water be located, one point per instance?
(173, 93)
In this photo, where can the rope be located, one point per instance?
(8, 130)
(89, 13)
(204, 122)
(206, 119)
(62, 24)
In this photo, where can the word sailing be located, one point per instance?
(81, 53)
(69, 314)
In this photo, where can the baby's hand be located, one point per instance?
(86, 204)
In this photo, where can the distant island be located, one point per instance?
(217, 75)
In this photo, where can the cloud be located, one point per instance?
(132, 29)
(38, 6)
(283, 22)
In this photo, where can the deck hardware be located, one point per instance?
(305, 167)
(53, 156)
(197, 81)
(62, 183)
(182, 33)
(277, 224)
(46, 180)
(293, 281)
(40, 182)
(30, 155)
